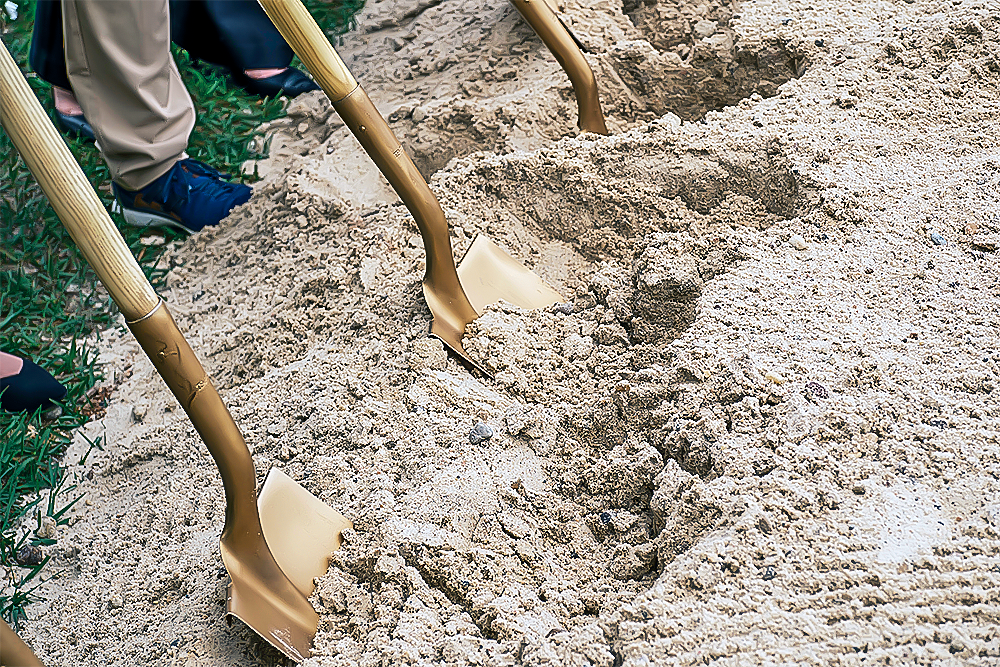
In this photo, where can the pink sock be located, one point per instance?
(10, 365)
(263, 73)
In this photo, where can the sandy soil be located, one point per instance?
(762, 429)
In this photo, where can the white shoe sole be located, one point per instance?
(147, 219)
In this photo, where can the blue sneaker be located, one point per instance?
(188, 198)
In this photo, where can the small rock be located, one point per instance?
(769, 573)
(971, 228)
(847, 101)
(29, 555)
(276, 428)
(115, 601)
(47, 529)
(776, 378)
(798, 242)
(606, 517)
(564, 308)
(704, 28)
(138, 413)
(938, 239)
(481, 433)
(817, 390)
(858, 490)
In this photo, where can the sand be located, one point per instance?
(762, 428)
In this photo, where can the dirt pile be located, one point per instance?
(759, 430)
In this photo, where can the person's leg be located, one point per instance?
(48, 60)
(46, 56)
(119, 64)
(250, 39)
(237, 34)
(192, 29)
(118, 60)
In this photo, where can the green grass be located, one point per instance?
(51, 303)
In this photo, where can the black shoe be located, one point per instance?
(30, 389)
(75, 126)
(291, 82)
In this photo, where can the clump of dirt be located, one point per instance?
(760, 427)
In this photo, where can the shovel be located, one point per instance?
(487, 274)
(13, 651)
(273, 546)
(566, 48)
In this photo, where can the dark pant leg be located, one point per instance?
(47, 57)
(234, 33)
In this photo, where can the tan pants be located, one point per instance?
(119, 63)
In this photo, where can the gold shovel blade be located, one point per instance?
(488, 275)
(301, 533)
(301, 530)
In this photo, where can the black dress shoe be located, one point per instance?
(30, 389)
(75, 126)
(291, 82)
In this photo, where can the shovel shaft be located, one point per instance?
(564, 47)
(87, 221)
(447, 298)
(13, 651)
(299, 29)
(70, 193)
(261, 595)
(278, 611)
(177, 364)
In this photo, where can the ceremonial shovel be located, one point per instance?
(455, 295)
(273, 546)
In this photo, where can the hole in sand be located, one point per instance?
(699, 64)
(684, 60)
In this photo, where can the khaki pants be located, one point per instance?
(119, 64)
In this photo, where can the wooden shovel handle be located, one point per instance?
(70, 193)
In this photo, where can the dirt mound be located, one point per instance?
(760, 428)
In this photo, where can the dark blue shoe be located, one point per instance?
(291, 83)
(188, 198)
(75, 126)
